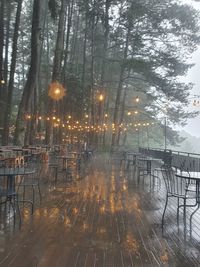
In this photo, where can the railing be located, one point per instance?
(181, 160)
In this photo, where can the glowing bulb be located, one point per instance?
(101, 97)
(137, 99)
(57, 91)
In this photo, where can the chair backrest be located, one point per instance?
(175, 185)
(144, 164)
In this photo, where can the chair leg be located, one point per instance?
(13, 201)
(33, 190)
(23, 193)
(40, 195)
(166, 202)
(178, 206)
(18, 209)
(184, 213)
(55, 175)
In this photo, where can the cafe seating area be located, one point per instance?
(71, 209)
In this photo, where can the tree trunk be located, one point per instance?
(8, 16)
(2, 6)
(8, 109)
(74, 44)
(69, 24)
(84, 59)
(105, 44)
(103, 67)
(121, 117)
(119, 91)
(58, 57)
(92, 72)
(32, 73)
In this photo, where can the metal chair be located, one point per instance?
(8, 194)
(30, 181)
(178, 188)
(143, 168)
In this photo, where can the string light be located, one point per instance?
(56, 91)
(76, 126)
(101, 97)
(2, 81)
(137, 99)
(28, 117)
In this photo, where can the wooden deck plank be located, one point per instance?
(103, 219)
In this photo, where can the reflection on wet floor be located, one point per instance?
(103, 219)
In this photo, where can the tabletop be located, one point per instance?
(190, 175)
(15, 171)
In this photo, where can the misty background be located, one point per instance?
(191, 131)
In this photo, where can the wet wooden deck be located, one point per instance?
(103, 218)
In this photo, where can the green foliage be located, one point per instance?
(160, 37)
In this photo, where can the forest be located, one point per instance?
(103, 71)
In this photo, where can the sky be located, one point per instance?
(193, 125)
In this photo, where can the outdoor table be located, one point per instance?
(5, 152)
(145, 163)
(192, 176)
(55, 167)
(65, 160)
(34, 149)
(13, 161)
(11, 173)
(130, 159)
(18, 150)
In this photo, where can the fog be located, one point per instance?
(193, 125)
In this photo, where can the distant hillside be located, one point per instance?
(190, 144)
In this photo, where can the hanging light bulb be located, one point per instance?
(56, 91)
(101, 97)
(137, 99)
(2, 81)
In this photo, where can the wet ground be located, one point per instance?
(101, 218)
